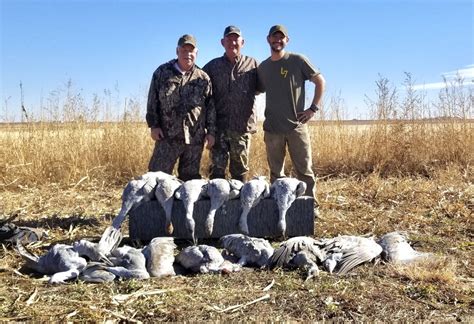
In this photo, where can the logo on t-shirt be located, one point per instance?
(283, 72)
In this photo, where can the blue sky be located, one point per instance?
(116, 45)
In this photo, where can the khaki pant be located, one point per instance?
(299, 147)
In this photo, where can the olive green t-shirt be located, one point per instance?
(283, 81)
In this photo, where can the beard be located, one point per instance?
(277, 47)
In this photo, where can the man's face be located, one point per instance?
(186, 56)
(232, 44)
(277, 41)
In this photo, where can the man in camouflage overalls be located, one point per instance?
(180, 113)
(234, 83)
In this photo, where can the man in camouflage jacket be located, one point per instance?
(234, 83)
(180, 113)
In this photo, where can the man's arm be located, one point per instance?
(320, 86)
(153, 110)
(260, 86)
(210, 118)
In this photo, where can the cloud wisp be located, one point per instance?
(466, 74)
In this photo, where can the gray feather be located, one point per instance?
(251, 194)
(190, 192)
(201, 259)
(137, 192)
(159, 255)
(249, 250)
(354, 250)
(284, 192)
(397, 249)
(62, 262)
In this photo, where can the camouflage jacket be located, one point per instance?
(181, 105)
(234, 87)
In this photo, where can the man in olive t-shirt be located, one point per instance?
(282, 77)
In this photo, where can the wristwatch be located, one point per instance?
(314, 107)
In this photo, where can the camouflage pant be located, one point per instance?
(234, 148)
(167, 152)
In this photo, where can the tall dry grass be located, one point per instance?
(407, 136)
(71, 152)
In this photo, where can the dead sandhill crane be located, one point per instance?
(96, 272)
(251, 194)
(220, 191)
(298, 252)
(159, 255)
(345, 252)
(165, 190)
(204, 259)
(190, 192)
(285, 191)
(249, 250)
(337, 255)
(154, 260)
(397, 249)
(65, 262)
(61, 262)
(109, 241)
(129, 263)
(136, 192)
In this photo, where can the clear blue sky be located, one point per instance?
(105, 44)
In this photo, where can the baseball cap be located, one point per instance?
(278, 28)
(232, 30)
(187, 39)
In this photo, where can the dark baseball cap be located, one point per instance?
(232, 30)
(187, 39)
(278, 28)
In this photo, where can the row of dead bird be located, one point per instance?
(106, 261)
(165, 188)
(339, 255)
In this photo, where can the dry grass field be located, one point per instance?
(67, 177)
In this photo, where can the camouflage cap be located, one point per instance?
(187, 39)
(232, 30)
(278, 28)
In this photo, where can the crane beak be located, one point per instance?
(312, 273)
(169, 229)
(105, 260)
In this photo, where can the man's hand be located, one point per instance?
(305, 116)
(156, 134)
(210, 140)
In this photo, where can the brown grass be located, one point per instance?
(439, 269)
(114, 152)
(383, 176)
(436, 211)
